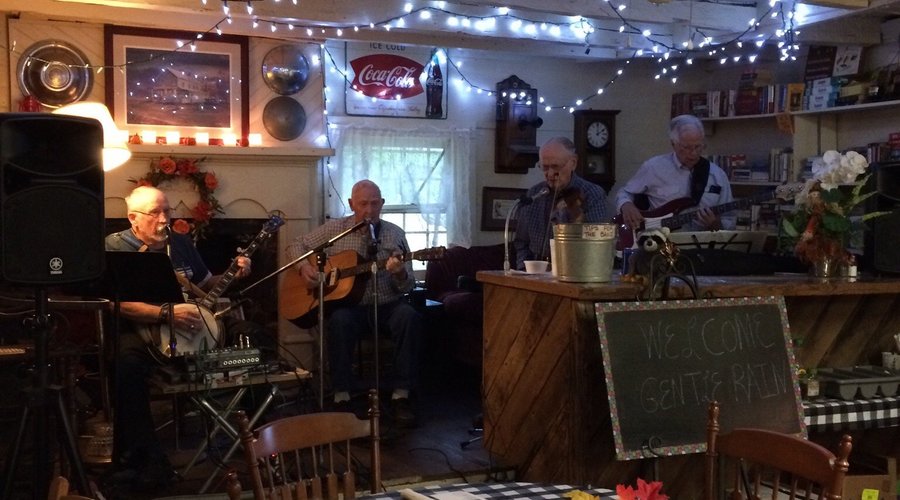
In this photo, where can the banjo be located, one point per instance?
(209, 335)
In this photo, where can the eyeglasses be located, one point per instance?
(547, 167)
(156, 212)
(691, 148)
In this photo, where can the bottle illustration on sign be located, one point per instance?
(434, 90)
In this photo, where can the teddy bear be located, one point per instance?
(650, 242)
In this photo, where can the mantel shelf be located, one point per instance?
(220, 151)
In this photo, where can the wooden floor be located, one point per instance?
(446, 404)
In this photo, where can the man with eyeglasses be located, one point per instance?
(562, 197)
(684, 173)
(142, 465)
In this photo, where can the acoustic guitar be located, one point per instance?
(673, 216)
(300, 304)
(210, 334)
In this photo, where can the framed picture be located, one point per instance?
(496, 202)
(170, 81)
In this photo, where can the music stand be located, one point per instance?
(137, 277)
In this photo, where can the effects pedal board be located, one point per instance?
(224, 359)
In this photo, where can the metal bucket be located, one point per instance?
(584, 252)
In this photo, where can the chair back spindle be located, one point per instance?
(752, 464)
(310, 456)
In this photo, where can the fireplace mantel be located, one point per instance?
(253, 181)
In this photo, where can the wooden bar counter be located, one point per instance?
(545, 402)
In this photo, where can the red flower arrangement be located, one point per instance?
(205, 183)
(645, 491)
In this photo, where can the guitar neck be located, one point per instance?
(676, 221)
(209, 301)
(364, 267)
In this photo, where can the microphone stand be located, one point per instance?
(321, 259)
(373, 255)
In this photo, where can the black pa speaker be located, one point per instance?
(51, 199)
(882, 253)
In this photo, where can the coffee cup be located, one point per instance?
(536, 266)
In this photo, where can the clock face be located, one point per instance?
(597, 134)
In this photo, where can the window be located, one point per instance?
(423, 176)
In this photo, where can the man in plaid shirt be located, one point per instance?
(571, 199)
(346, 322)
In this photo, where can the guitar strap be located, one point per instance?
(132, 240)
(699, 177)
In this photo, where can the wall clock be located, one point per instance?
(595, 145)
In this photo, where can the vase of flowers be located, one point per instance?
(822, 220)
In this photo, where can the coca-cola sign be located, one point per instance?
(387, 76)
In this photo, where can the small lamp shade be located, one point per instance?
(115, 151)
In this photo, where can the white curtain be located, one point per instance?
(426, 167)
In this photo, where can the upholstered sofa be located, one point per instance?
(451, 281)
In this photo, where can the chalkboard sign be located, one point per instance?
(665, 361)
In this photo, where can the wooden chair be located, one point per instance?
(762, 462)
(309, 456)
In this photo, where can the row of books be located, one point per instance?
(779, 168)
(776, 98)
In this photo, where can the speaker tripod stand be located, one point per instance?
(35, 411)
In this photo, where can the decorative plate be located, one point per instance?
(55, 73)
(285, 69)
(284, 118)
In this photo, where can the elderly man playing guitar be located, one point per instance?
(141, 461)
(351, 314)
(677, 180)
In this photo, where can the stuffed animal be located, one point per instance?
(650, 242)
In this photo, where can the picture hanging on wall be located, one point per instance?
(172, 82)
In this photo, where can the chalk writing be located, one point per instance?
(665, 361)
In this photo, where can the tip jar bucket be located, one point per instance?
(584, 252)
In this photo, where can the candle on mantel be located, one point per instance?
(172, 137)
(229, 139)
(202, 138)
(255, 139)
(148, 136)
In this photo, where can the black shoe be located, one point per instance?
(401, 410)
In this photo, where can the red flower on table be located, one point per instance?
(645, 491)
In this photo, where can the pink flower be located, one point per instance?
(211, 181)
(202, 211)
(167, 165)
(187, 167)
(181, 226)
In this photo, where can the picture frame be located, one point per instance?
(496, 202)
(213, 100)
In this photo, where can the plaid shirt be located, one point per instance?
(391, 238)
(532, 231)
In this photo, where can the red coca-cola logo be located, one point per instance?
(387, 76)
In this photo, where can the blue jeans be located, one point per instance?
(346, 324)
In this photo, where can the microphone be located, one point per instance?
(373, 240)
(168, 230)
(528, 200)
